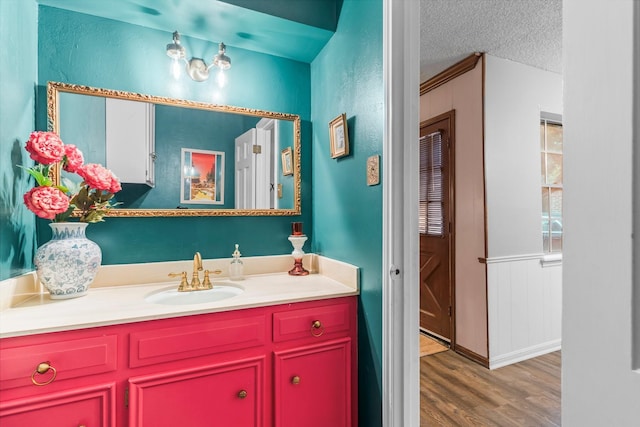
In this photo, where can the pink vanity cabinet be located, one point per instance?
(282, 365)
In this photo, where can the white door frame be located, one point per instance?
(400, 293)
(244, 170)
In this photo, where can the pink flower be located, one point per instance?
(115, 185)
(45, 147)
(46, 202)
(96, 176)
(72, 158)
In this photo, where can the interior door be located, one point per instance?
(244, 168)
(436, 227)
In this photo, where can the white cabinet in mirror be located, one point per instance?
(142, 138)
(130, 140)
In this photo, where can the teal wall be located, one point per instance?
(346, 77)
(87, 50)
(18, 33)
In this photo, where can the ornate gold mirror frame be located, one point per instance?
(53, 114)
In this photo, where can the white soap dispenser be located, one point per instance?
(236, 268)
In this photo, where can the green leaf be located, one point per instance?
(42, 179)
(65, 215)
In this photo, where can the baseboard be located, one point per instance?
(524, 354)
(484, 361)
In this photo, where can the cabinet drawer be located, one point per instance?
(182, 342)
(68, 359)
(311, 322)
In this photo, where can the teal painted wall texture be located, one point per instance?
(18, 29)
(83, 49)
(83, 124)
(346, 77)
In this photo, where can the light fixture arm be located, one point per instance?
(197, 68)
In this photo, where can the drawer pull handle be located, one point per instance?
(42, 369)
(295, 380)
(316, 328)
(242, 394)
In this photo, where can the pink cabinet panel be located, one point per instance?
(212, 336)
(71, 358)
(313, 385)
(218, 395)
(90, 407)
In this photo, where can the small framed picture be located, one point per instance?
(339, 136)
(202, 177)
(287, 162)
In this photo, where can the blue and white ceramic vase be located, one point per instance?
(67, 264)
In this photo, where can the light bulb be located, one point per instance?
(175, 68)
(221, 78)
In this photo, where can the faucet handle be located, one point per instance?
(206, 282)
(184, 284)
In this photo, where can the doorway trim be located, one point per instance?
(400, 326)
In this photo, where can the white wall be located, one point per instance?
(599, 386)
(525, 309)
(524, 298)
(515, 94)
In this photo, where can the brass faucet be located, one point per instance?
(195, 284)
(197, 266)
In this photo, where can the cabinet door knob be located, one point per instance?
(295, 380)
(317, 329)
(242, 394)
(42, 369)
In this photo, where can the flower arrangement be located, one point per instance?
(92, 197)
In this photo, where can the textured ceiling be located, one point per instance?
(525, 31)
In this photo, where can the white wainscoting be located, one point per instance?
(524, 308)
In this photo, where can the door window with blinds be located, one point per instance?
(551, 141)
(432, 212)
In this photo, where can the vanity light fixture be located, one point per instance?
(197, 69)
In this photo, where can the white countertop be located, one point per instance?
(109, 304)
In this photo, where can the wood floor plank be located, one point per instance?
(458, 392)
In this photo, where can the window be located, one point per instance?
(551, 157)
(431, 216)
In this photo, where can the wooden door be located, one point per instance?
(436, 226)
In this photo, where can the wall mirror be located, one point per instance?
(234, 163)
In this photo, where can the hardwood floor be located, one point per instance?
(455, 391)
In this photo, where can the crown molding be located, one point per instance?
(467, 64)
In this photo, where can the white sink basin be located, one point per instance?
(173, 297)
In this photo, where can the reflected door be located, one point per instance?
(244, 170)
